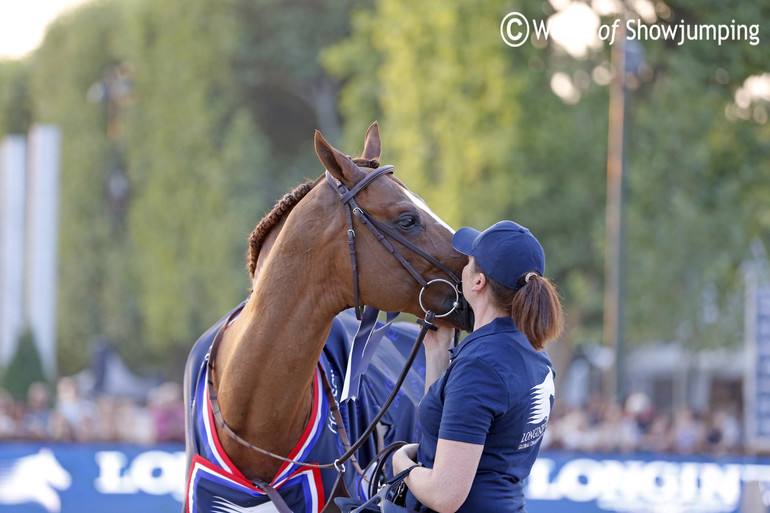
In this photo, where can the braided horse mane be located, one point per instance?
(281, 209)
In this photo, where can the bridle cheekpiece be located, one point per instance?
(379, 230)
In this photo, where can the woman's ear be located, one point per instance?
(479, 281)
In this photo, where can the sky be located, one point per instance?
(23, 23)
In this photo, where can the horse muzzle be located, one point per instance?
(456, 310)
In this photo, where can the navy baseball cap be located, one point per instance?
(505, 251)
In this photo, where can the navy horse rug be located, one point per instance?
(216, 485)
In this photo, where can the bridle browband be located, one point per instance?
(379, 230)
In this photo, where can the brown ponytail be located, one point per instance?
(535, 307)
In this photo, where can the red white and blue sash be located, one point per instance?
(215, 484)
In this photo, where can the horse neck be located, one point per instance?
(266, 363)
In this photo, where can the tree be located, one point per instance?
(182, 122)
(14, 98)
(473, 126)
(696, 191)
(24, 369)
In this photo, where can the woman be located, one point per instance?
(483, 417)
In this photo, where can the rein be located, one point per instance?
(217, 412)
(350, 450)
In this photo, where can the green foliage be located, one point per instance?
(215, 121)
(696, 191)
(473, 126)
(14, 98)
(179, 187)
(24, 369)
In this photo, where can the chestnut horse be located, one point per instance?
(264, 368)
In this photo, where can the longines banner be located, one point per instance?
(74, 478)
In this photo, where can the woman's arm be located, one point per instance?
(437, 345)
(444, 487)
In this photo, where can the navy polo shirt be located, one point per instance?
(497, 391)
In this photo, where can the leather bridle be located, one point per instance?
(379, 230)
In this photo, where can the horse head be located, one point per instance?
(384, 281)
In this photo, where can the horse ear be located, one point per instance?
(372, 144)
(337, 163)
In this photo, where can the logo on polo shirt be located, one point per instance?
(539, 410)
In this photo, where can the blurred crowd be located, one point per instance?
(68, 415)
(635, 426)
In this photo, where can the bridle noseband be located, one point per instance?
(379, 230)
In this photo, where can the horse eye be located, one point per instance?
(407, 222)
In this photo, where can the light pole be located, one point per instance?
(613, 298)
(627, 58)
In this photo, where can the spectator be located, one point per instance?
(658, 436)
(8, 423)
(133, 422)
(74, 416)
(107, 428)
(618, 430)
(167, 412)
(36, 420)
(688, 432)
(574, 431)
(597, 427)
(724, 432)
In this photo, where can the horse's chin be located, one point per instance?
(461, 318)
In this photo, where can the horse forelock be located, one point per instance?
(370, 163)
(281, 209)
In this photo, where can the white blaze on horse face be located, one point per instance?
(425, 208)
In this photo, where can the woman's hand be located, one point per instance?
(445, 486)
(404, 458)
(440, 340)
(437, 345)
